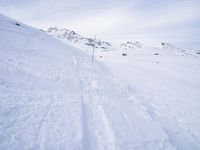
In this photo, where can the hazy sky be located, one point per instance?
(149, 21)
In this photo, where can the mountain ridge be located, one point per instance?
(71, 36)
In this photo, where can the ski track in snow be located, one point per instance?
(170, 97)
(93, 114)
(53, 97)
(110, 124)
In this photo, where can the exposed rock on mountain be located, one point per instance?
(130, 45)
(71, 36)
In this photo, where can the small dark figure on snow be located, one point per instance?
(17, 24)
(124, 54)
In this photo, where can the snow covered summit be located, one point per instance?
(74, 38)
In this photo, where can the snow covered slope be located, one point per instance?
(168, 87)
(74, 39)
(177, 51)
(53, 97)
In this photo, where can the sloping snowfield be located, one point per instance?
(167, 85)
(53, 97)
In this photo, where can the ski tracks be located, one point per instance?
(112, 117)
(178, 137)
(97, 129)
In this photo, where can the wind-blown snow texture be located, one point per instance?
(53, 97)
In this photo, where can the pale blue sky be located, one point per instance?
(148, 21)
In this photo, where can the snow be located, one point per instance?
(53, 97)
(167, 85)
(72, 38)
(130, 45)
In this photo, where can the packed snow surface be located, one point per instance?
(53, 97)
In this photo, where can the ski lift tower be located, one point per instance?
(93, 48)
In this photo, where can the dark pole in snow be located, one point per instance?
(93, 49)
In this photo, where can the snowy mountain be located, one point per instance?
(177, 51)
(86, 44)
(53, 97)
(170, 47)
(130, 45)
(72, 37)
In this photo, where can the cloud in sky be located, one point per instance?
(175, 21)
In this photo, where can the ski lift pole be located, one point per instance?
(93, 49)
